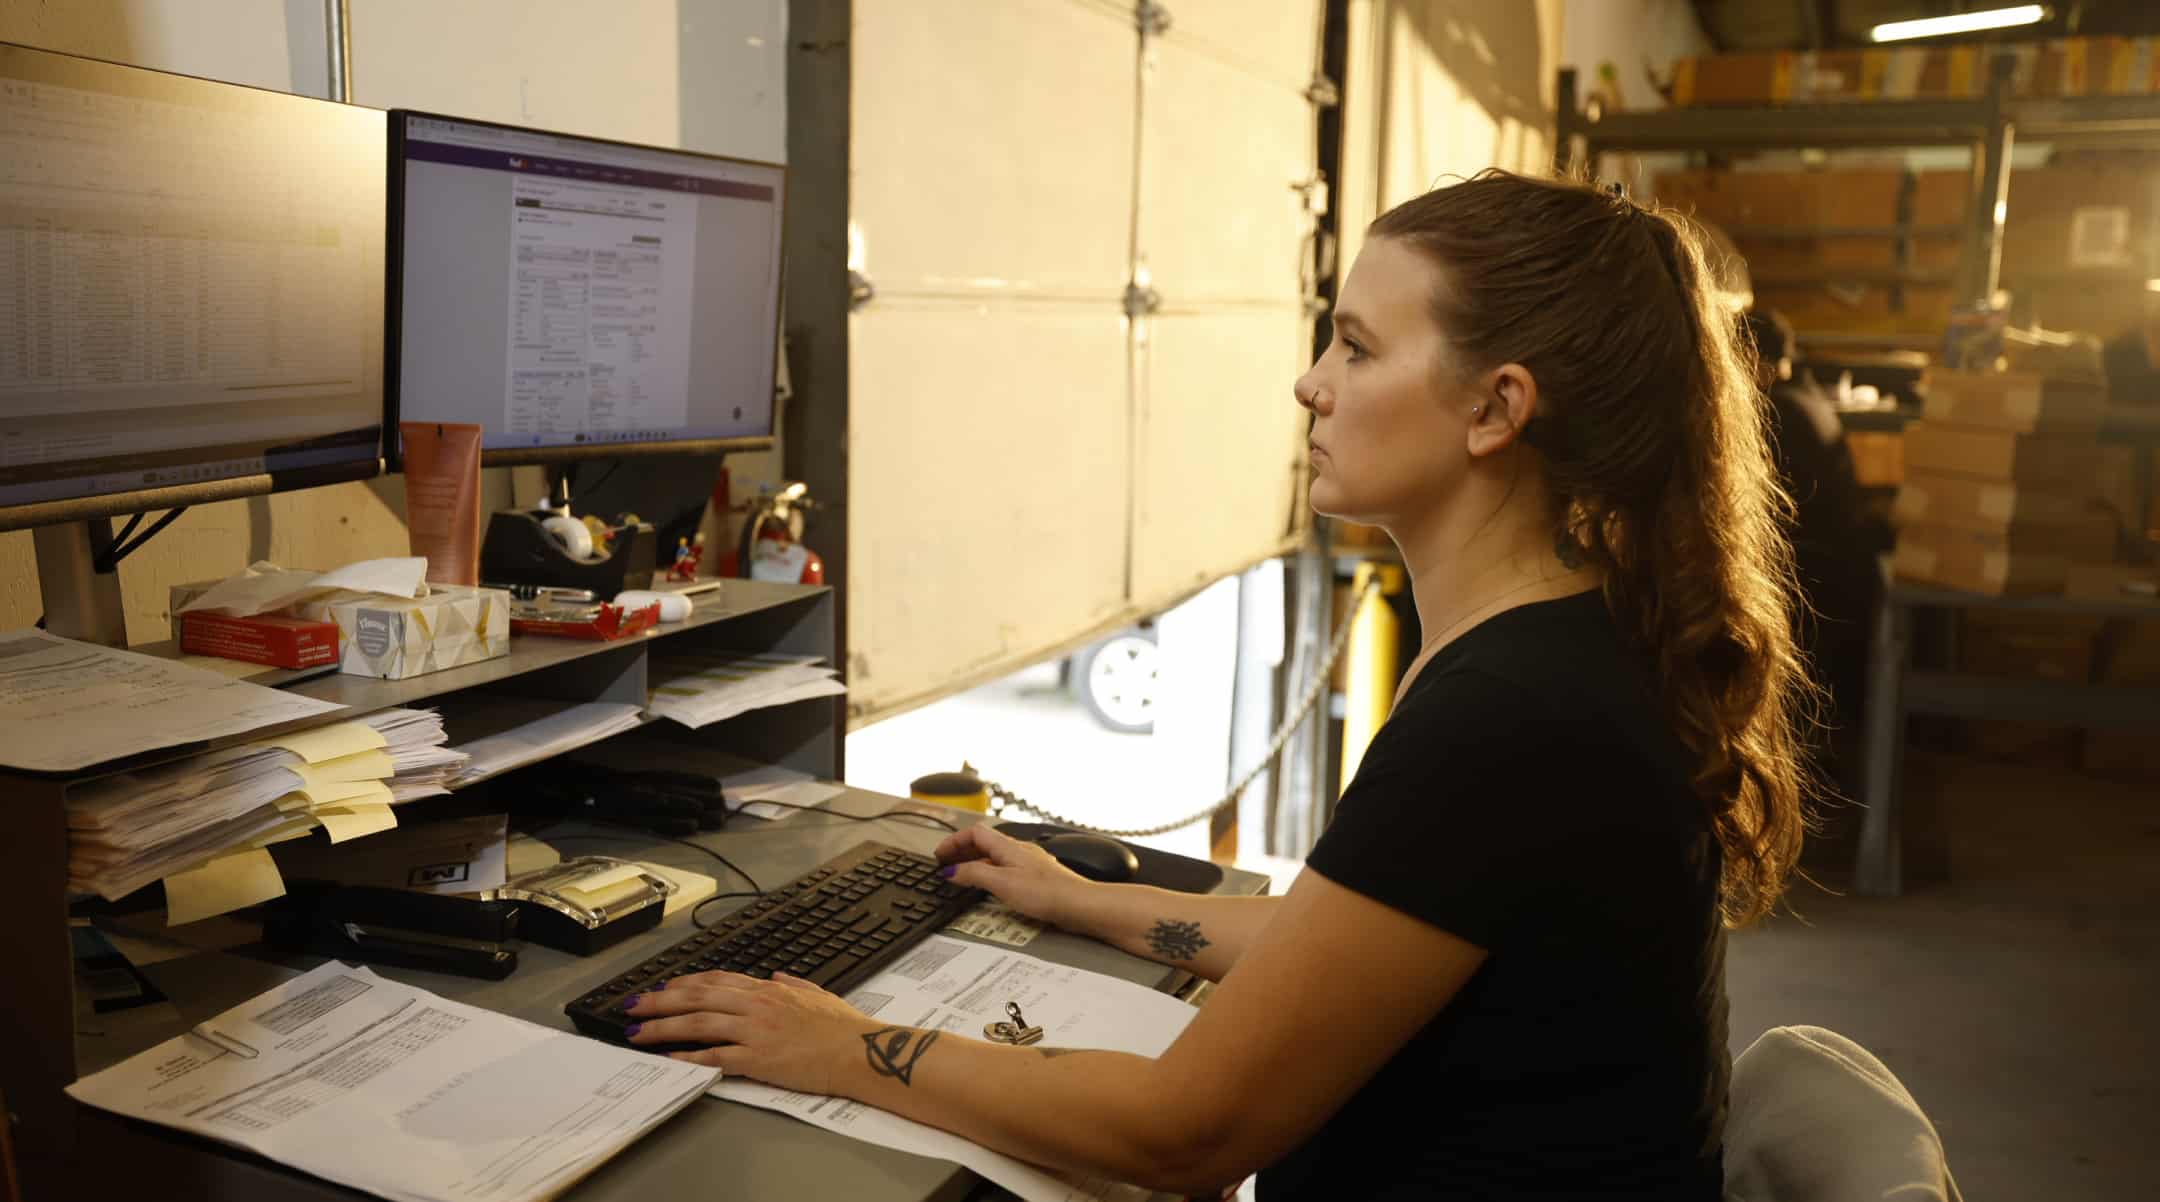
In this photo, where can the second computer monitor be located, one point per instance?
(574, 296)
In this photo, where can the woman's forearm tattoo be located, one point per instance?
(1176, 940)
(895, 1051)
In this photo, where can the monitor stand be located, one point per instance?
(80, 602)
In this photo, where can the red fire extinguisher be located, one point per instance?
(772, 546)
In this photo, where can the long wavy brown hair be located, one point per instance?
(1654, 443)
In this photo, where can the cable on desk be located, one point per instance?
(893, 814)
(694, 910)
(749, 880)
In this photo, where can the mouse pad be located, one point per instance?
(1158, 868)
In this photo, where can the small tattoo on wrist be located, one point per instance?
(895, 1051)
(1176, 940)
(1054, 1053)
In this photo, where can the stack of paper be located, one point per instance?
(66, 705)
(425, 767)
(702, 689)
(574, 727)
(399, 1092)
(200, 824)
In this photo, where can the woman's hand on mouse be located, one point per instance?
(1021, 875)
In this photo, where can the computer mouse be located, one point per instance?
(1093, 856)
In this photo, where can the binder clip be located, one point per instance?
(1017, 1032)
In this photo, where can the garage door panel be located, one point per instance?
(992, 146)
(1273, 41)
(987, 506)
(1221, 444)
(1220, 218)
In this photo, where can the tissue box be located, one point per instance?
(279, 640)
(395, 637)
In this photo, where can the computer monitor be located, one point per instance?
(191, 280)
(576, 297)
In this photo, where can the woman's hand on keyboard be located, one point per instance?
(1021, 875)
(785, 1032)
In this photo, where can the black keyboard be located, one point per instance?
(834, 926)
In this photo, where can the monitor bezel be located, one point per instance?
(394, 313)
(30, 514)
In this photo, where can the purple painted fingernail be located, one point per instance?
(630, 1032)
(630, 1003)
(661, 985)
(948, 871)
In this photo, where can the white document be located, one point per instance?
(66, 705)
(702, 690)
(575, 727)
(755, 791)
(952, 985)
(398, 1092)
(997, 922)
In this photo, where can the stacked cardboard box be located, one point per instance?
(2099, 66)
(1824, 247)
(1998, 493)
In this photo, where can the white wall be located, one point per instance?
(1438, 89)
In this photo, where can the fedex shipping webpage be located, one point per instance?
(628, 294)
(599, 307)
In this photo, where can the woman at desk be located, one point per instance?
(1502, 974)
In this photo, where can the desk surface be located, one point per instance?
(713, 1148)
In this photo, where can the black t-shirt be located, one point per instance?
(1528, 797)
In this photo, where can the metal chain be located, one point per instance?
(1002, 797)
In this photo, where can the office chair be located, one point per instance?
(1815, 1118)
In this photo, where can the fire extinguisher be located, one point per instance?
(772, 546)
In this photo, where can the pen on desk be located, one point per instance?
(531, 592)
(210, 1034)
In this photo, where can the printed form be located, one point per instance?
(398, 1092)
(66, 705)
(600, 284)
(953, 985)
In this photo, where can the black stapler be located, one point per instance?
(437, 932)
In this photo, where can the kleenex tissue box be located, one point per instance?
(396, 637)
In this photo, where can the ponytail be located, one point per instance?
(1655, 445)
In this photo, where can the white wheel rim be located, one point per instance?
(1122, 678)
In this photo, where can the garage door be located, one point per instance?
(1036, 451)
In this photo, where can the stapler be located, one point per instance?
(407, 929)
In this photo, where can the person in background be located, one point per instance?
(2129, 358)
(1835, 537)
(1501, 973)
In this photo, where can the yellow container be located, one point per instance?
(963, 790)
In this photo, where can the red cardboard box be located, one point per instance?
(274, 639)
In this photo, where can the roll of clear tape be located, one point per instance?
(570, 534)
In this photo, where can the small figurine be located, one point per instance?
(687, 555)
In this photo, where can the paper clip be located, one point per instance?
(1017, 1032)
